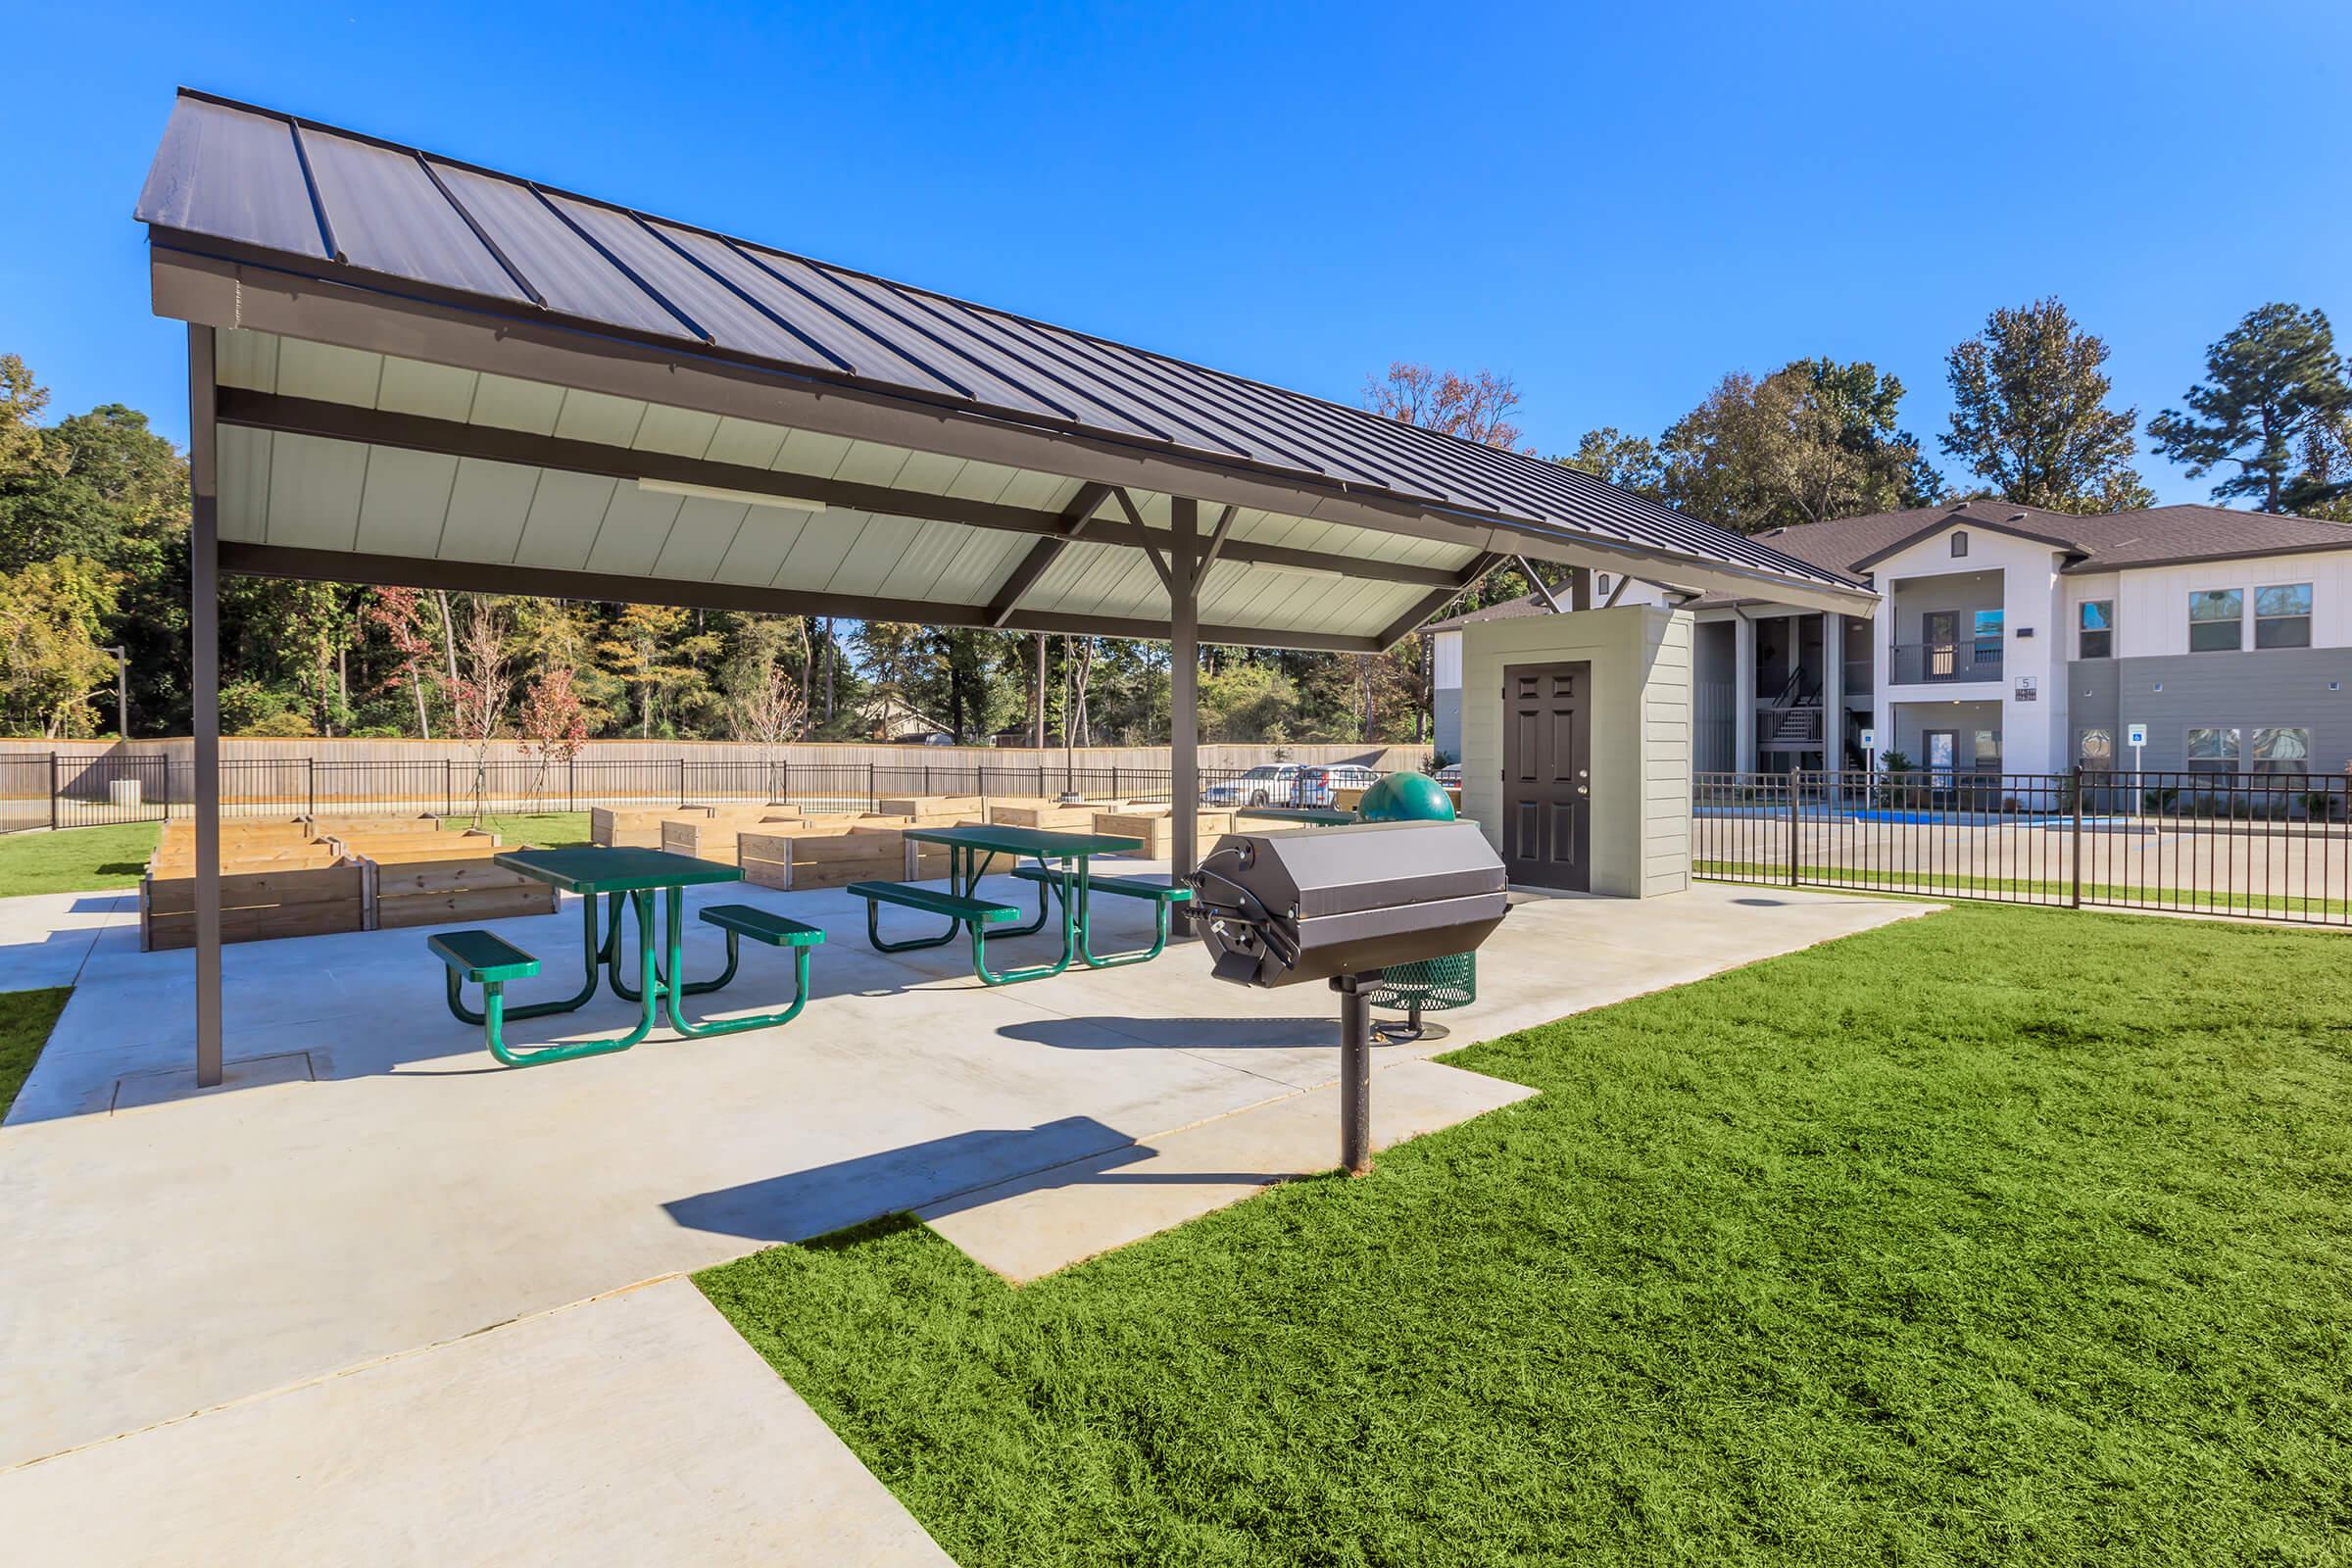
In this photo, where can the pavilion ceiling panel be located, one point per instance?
(404, 502)
(247, 359)
(681, 432)
(917, 571)
(244, 480)
(327, 372)
(507, 404)
(487, 506)
(757, 552)
(599, 417)
(315, 492)
(824, 544)
(830, 457)
(566, 511)
(744, 444)
(873, 554)
(433, 391)
(636, 525)
(706, 530)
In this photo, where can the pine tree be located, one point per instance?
(2031, 416)
(2271, 384)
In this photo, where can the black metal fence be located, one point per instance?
(66, 790)
(2268, 846)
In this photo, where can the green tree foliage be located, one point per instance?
(2271, 385)
(50, 661)
(1813, 440)
(1628, 461)
(2031, 416)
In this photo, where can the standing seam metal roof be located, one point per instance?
(333, 203)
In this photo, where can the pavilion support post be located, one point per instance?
(203, 689)
(1184, 692)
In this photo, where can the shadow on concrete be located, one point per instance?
(1102, 1032)
(801, 1204)
(940, 1176)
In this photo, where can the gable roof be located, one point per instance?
(2108, 541)
(239, 184)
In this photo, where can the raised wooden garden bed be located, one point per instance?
(823, 852)
(1155, 827)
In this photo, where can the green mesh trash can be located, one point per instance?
(1431, 985)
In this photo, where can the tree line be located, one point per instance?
(94, 565)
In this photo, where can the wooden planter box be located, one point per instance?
(635, 827)
(1045, 814)
(470, 886)
(342, 827)
(712, 838)
(934, 810)
(1157, 830)
(282, 896)
(822, 855)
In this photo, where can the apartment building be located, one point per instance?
(2009, 639)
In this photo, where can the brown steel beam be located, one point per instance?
(547, 582)
(1430, 604)
(1043, 552)
(345, 421)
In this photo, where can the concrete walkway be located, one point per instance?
(370, 1187)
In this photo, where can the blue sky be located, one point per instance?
(1614, 204)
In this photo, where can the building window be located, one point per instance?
(1989, 636)
(2282, 615)
(2097, 749)
(2282, 750)
(2213, 751)
(2217, 620)
(1989, 751)
(2095, 631)
(1959, 543)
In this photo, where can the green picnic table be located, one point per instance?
(1063, 881)
(626, 880)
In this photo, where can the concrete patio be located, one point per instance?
(370, 1226)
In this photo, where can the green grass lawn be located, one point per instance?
(2002, 1236)
(541, 830)
(26, 1019)
(93, 859)
(75, 860)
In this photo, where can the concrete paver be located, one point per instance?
(525, 1445)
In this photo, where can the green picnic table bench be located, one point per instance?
(970, 852)
(626, 879)
(1164, 899)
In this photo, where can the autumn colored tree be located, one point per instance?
(553, 722)
(401, 616)
(1813, 440)
(480, 693)
(1476, 408)
(766, 707)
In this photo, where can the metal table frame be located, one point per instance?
(971, 851)
(626, 879)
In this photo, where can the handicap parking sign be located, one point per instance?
(2136, 735)
(1870, 739)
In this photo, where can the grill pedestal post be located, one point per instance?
(1355, 1069)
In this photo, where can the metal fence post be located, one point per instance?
(2074, 897)
(681, 783)
(449, 788)
(571, 783)
(52, 792)
(1794, 777)
(310, 779)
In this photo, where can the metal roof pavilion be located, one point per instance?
(404, 368)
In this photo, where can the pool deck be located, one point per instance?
(379, 1299)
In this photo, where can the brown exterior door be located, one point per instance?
(1548, 775)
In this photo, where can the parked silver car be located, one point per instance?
(1267, 784)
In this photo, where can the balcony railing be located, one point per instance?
(1933, 663)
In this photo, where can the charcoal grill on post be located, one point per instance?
(1341, 904)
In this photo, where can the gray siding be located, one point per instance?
(1446, 713)
(2246, 691)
